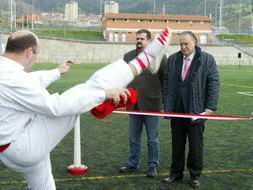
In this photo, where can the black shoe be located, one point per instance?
(128, 168)
(172, 178)
(195, 183)
(152, 172)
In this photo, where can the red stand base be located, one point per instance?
(76, 170)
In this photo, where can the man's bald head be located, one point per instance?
(20, 41)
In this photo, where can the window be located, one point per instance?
(166, 21)
(178, 21)
(123, 37)
(116, 37)
(190, 22)
(201, 22)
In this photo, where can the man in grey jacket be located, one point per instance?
(149, 89)
(191, 85)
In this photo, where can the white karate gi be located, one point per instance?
(34, 121)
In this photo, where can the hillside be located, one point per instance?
(231, 9)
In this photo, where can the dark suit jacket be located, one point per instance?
(202, 80)
(147, 85)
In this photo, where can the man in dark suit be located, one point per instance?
(191, 85)
(148, 87)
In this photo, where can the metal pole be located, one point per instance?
(32, 14)
(22, 22)
(27, 21)
(252, 16)
(220, 23)
(100, 7)
(205, 7)
(216, 14)
(15, 15)
(11, 15)
(240, 15)
(1, 7)
(154, 6)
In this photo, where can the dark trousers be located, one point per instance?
(181, 129)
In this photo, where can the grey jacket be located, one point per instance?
(147, 85)
(203, 81)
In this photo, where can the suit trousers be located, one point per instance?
(182, 129)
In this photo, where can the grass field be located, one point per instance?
(228, 151)
(238, 38)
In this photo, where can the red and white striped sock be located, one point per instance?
(152, 55)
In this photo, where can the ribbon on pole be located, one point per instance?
(186, 115)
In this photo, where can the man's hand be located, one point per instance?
(116, 94)
(64, 67)
(208, 111)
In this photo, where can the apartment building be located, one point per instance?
(111, 7)
(121, 27)
(71, 11)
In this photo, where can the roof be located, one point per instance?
(156, 16)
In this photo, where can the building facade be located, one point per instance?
(71, 11)
(121, 27)
(111, 7)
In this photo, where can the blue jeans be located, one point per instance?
(135, 127)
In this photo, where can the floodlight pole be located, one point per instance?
(252, 16)
(100, 7)
(32, 14)
(154, 7)
(15, 14)
(221, 5)
(205, 7)
(27, 21)
(11, 15)
(22, 22)
(240, 15)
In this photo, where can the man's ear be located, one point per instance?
(29, 52)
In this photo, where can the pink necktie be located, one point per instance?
(186, 67)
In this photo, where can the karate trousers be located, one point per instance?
(30, 152)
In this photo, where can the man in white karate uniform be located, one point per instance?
(33, 122)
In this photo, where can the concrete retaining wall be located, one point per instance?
(57, 51)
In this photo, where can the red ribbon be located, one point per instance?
(186, 115)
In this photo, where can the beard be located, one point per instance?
(139, 46)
